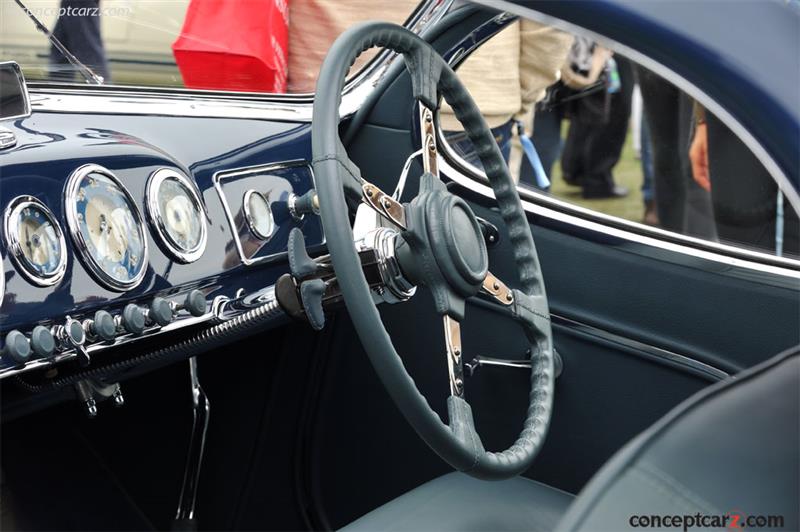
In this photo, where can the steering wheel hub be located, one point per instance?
(445, 249)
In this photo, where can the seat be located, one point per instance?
(731, 452)
(459, 502)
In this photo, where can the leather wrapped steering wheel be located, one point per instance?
(439, 245)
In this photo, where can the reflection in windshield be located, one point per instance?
(78, 29)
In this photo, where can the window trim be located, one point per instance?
(181, 101)
(538, 203)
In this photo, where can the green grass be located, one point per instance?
(627, 173)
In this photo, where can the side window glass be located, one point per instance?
(592, 128)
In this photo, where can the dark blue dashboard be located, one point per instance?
(231, 153)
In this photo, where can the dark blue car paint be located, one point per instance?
(52, 145)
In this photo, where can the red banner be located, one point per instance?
(238, 45)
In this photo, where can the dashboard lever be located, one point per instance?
(72, 335)
(301, 265)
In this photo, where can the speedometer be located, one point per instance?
(175, 212)
(106, 227)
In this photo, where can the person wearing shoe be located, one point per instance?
(598, 122)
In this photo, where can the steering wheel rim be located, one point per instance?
(339, 180)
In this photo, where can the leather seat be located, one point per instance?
(459, 502)
(731, 449)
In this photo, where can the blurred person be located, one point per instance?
(78, 29)
(748, 205)
(315, 24)
(650, 216)
(681, 205)
(598, 122)
(506, 76)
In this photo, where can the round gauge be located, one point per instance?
(106, 227)
(176, 213)
(35, 241)
(258, 214)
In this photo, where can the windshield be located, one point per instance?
(271, 46)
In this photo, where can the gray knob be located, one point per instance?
(160, 311)
(133, 319)
(103, 326)
(17, 347)
(195, 303)
(42, 341)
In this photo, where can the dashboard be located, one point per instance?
(120, 228)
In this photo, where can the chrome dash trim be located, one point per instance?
(74, 227)
(221, 310)
(217, 179)
(14, 245)
(642, 349)
(152, 190)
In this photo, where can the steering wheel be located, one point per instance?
(438, 244)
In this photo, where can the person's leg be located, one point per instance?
(648, 185)
(744, 194)
(605, 145)
(546, 138)
(573, 155)
(79, 31)
(661, 112)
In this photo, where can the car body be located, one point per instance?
(299, 433)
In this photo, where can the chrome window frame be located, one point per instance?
(538, 203)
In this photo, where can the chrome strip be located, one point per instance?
(761, 154)
(74, 226)
(152, 190)
(224, 104)
(541, 210)
(475, 179)
(221, 310)
(217, 180)
(641, 349)
(14, 247)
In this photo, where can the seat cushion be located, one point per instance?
(460, 502)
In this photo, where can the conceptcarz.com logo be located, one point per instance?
(734, 520)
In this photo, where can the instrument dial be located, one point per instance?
(176, 213)
(258, 214)
(106, 227)
(35, 241)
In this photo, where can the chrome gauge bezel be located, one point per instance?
(249, 216)
(70, 202)
(157, 221)
(14, 245)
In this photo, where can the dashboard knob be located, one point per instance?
(133, 319)
(103, 326)
(17, 347)
(160, 311)
(43, 343)
(195, 303)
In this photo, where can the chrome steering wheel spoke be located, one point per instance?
(455, 363)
